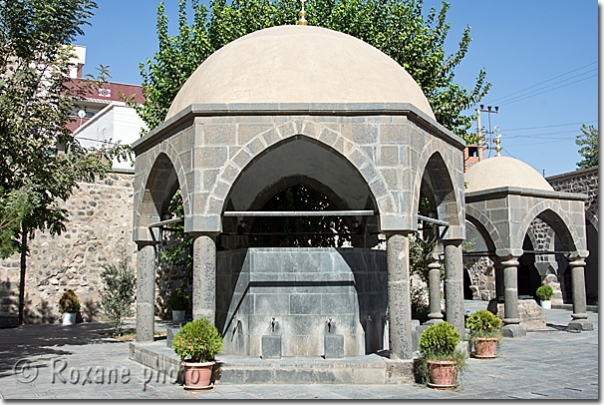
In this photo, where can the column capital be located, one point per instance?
(433, 260)
(197, 234)
(142, 243)
(577, 258)
(403, 232)
(144, 236)
(577, 262)
(509, 261)
(452, 241)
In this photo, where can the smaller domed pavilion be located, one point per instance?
(503, 197)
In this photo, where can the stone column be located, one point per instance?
(204, 277)
(577, 265)
(435, 316)
(145, 293)
(454, 285)
(511, 319)
(399, 300)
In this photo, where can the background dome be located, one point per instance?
(299, 64)
(501, 171)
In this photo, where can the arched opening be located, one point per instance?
(328, 231)
(316, 178)
(162, 201)
(549, 239)
(161, 185)
(478, 262)
(436, 185)
(528, 276)
(468, 294)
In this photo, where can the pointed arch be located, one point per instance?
(434, 175)
(161, 181)
(353, 177)
(571, 235)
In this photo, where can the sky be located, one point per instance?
(541, 58)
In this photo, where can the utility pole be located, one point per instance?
(479, 132)
(490, 133)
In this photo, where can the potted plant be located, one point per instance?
(441, 360)
(545, 294)
(196, 344)
(178, 303)
(69, 306)
(485, 333)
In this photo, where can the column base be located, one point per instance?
(434, 318)
(581, 324)
(513, 331)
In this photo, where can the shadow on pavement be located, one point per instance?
(43, 340)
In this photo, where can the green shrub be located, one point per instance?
(197, 341)
(69, 302)
(438, 342)
(545, 293)
(483, 323)
(179, 300)
(118, 295)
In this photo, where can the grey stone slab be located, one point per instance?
(271, 346)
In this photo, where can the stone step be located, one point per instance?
(368, 369)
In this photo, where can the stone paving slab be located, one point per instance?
(543, 365)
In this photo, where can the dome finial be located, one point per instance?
(498, 144)
(302, 14)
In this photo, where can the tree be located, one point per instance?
(118, 295)
(588, 142)
(396, 27)
(40, 162)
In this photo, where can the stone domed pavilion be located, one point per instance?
(301, 105)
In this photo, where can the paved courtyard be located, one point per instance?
(78, 362)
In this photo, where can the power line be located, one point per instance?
(546, 91)
(546, 134)
(542, 142)
(539, 84)
(550, 126)
(553, 84)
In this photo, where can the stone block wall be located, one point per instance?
(580, 181)
(99, 232)
(302, 288)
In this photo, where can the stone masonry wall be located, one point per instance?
(580, 181)
(99, 232)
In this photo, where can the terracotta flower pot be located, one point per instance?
(443, 374)
(197, 376)
(485, 348)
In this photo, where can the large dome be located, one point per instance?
(502, 171)
(299, 64)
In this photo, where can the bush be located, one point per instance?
(439, 342)
(69, 302)
(197, 341)
(118, 295)
(545, 293)
(179, 300)
(483, 323)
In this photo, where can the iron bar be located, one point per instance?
(166, 222)
(343, 213)
(432, 220)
